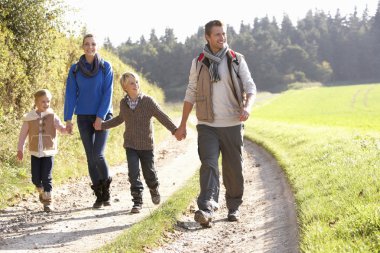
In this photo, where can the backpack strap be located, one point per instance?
(102, 66)
(75, 70)
(233, 59)
(232, 63)
(201, 58)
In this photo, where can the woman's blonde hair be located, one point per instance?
(126, 75)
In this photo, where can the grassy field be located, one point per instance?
(356, 107)
(327, 140)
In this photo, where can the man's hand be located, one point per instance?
(180, 134)
(244, 114)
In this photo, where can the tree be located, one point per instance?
(31, 29)
(107, 44)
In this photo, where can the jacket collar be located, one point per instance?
(33, 115)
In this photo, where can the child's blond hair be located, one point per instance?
(41, 93)
(126, 75)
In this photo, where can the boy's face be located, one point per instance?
(131, 86)
(42, 103)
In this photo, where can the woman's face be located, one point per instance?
(89, 46)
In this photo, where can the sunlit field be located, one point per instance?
(327, 140)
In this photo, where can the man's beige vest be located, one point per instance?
(203, 100)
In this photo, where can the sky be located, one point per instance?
(122, 19)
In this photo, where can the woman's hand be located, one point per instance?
(69, 127)
(20, 155)
(98, 123)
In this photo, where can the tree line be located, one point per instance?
(321, 48)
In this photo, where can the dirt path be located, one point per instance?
(268, 221)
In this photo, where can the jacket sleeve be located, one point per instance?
(116, 121)
(107, 90)
(249, 85)
(70, 95)
(162, 117)
(58, 124)
(22, 137)
(191, 90)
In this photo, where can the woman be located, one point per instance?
(89, 95)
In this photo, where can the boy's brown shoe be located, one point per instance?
(204, 218)
(136, 208)
(156, 198)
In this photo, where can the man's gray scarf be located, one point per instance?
(214, 59)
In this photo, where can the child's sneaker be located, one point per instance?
(156, 198)
(233, 215)
(204, 218)
(137, 198)
(46, 197)
(40, 191)
(47, 208)
(136, 208)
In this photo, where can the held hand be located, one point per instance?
(20, 155)
(98, 124)
(180, 134)
(244, 114)
(69, 127)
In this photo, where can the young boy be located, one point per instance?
(136, 111)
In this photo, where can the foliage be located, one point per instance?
(34, 54)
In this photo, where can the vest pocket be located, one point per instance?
(48, 142)
(33, 143)
(201, 107)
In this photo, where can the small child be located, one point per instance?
(41, 125)
(136, 111)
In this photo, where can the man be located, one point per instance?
(222, 89)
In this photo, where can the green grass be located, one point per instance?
(327, 140)
(150, 232)
(354, 106)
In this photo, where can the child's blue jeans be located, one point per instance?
(42, 168)
(146, 158)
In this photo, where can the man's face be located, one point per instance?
(217, 38)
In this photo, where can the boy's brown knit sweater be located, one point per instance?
(138, 123)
